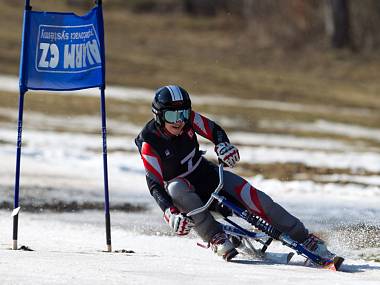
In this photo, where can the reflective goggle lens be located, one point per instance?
(177, 115)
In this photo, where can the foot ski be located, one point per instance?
(335, 264)
(329, 264)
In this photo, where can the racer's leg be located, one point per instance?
(185, 199)
(262, 205)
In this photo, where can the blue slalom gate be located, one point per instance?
(62, 51)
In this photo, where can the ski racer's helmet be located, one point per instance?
(171, 104)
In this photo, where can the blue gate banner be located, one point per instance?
(64, 51)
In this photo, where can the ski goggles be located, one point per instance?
(174, 116)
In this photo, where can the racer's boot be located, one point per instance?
(222, 246)
(318, 247)
(237, 241)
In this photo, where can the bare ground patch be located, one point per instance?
(295, 171)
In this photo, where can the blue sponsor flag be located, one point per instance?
(64, 51)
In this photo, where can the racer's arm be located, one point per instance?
(154, 178)
(208, 128)
(180, 224)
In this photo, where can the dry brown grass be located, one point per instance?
(213, 55)
(209, 56)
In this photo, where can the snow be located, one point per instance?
(323, 126)
(67, 250)
(316, 158)
(67, 167)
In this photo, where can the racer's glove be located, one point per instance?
(227, 153)
(180, 224)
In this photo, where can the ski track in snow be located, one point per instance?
(67, 166)
(68, 250)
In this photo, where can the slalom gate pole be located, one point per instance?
(23, 90)
(105, 170)
(104, 127)
(16, 208)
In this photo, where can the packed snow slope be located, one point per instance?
(68, 251)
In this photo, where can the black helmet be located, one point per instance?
(171, 98)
